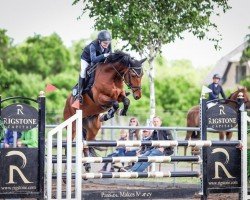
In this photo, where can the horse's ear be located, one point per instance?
(143, 60)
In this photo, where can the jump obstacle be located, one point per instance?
(78, 160)
(74, 160)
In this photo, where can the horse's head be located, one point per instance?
(129, 69)
(133, 77)
(241, 91)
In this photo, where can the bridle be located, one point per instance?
(129, 84)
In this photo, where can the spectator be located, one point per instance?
(120, 151)
(216, 88)
(154, 151)
(9, 138)
(146, 136)
(134, 134)
(29, 139)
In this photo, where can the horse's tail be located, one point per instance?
(68, 112)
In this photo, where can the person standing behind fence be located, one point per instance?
(155, 151)
(216, 88)
(134, 134)
(9, 138)
(29, 139)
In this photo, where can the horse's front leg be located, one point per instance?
(85, 150)
(126, 103)
(111, 112)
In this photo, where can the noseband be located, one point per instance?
(129, 84)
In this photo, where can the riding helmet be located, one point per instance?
(217, 76)
(104, 36)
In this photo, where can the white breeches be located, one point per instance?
(84, 66)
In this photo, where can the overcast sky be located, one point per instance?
(24, 18)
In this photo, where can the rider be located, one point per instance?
(97, 51)
(216, 88)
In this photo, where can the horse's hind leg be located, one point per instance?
(111, 112)
(92, 126)
(86, 151)
(229, 135)
(222, 135)
(188, 137)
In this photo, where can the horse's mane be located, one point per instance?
(234, 95)
(119, 56)
(126, 60)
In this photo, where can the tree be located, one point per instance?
(45, 55)
(5, 46)
(146, 25)
(246, 53)
(75, 51)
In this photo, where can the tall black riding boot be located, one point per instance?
(80, 88)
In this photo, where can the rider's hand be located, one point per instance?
(106, 55)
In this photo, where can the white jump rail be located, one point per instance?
(57, 132)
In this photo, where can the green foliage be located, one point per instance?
(5, 46)
(28, 67)
(175, 91)
(76, 50)
(22, 75)
(246, 83)
(44, 55)
(246, 53)
(145, 23)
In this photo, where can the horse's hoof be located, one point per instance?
(127, 93)
(87, 168)
(121, 112)
(64, 180)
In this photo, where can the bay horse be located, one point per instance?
(106, 93)
(193, 118)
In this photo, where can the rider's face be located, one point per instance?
(216, 80)
(105, 44)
